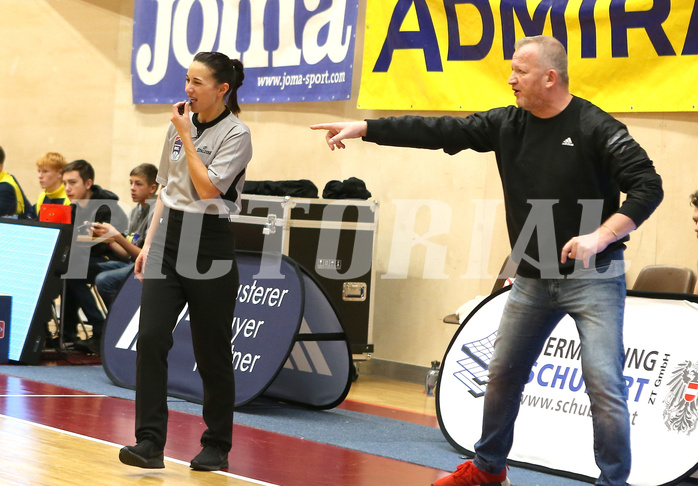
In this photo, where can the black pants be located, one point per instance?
(79, 296)
(174, 255)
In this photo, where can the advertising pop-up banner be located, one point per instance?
(291, 50)
(285, 334)
(554, 430)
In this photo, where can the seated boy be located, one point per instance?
(50, 167)
(13, 202)
(127, 246)
(88, 198)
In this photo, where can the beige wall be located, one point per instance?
(66, 87)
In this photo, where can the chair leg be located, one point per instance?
(52, 333)
(100, 302)
(85, 331)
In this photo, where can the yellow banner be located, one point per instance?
(455, 55)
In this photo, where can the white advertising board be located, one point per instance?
(553, 430)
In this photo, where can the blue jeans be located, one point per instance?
(533, 309)
(111, 276)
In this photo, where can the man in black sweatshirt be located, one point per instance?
(98, 205)
(563, 163)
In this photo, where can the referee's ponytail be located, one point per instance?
(225, 70)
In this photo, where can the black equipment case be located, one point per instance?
(333, 239)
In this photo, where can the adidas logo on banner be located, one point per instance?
(568, 142)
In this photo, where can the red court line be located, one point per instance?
(257, 454)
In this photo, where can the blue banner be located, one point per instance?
(290, 53)
(287, 338)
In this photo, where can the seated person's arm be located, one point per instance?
(120, 251)
(122, 247)
(8, 200)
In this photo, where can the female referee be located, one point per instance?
(189, 258)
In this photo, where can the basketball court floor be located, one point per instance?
(52, 435)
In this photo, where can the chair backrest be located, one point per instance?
(665, 278)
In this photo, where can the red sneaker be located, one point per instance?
(468, 475)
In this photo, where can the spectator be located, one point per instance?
(50, 167)
(13, 202)
(85, 196)
(127, 246)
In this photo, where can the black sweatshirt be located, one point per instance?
(554, 170)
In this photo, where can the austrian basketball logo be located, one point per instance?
(176, 148)
(681, 411)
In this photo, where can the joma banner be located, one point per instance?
(455, 55)
(292, 51)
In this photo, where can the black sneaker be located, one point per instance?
(88, 346)
(51, 343)
(70, 337)
(144, 454)
(211, 458)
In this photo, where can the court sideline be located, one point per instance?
(57, 435)
(61, 436)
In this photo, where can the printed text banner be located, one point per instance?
(290, 53)
(455, 55)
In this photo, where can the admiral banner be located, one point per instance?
(624, 55)
(554, 429)
(291, 50)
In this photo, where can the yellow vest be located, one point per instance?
(5, 177)
(57, 194)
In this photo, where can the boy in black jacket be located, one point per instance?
(91, 204)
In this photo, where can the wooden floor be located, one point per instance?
(50, 435)
(48, 456)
